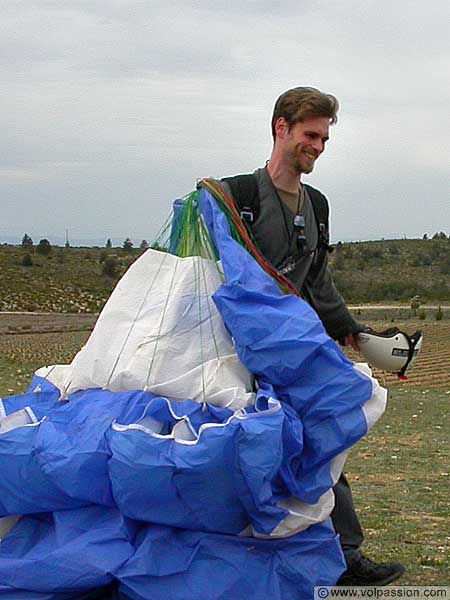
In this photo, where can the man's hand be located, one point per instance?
(353, 341)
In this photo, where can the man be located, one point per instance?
(289, 222)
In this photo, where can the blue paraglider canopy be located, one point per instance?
(151, 468)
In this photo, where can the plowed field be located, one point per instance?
(31, 341)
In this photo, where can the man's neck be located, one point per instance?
(282, 176)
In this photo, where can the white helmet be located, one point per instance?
(390, 350)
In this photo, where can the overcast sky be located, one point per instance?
(111, 109)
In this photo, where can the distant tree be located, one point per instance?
(44, 247)
(439, 314)
(143, 245)
(67, 244)
(156, 246)
(108, 243)
(439, 236)
(425, 236)
(27, 242)
(110, 267)
(127, 245)
(26, 261)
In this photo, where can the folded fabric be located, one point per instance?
(287, 347)
(210, 476)
(24, 486)
(67, 551)
(188, 565)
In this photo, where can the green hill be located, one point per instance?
(79, 280)
(66, 280)
(393, 270)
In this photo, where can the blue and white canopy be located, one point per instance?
(151, 461)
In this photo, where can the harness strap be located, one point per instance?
(413, 340)
(321, 213)
(244, 189)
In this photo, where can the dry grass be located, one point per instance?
(400, 480)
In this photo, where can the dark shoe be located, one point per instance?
(363, 571)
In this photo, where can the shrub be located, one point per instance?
(110, 267)
(415, 302)
(422, 315)
(439, 313)
(444, 267)
(422, 260)
(44, 247)
(26, 261)
(371, 253)
(339, 262)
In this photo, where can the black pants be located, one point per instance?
(345, 519)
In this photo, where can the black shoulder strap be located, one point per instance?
(244, 189)
(321, 214)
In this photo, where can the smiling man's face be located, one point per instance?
(304, 142)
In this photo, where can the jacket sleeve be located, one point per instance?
(322, 295)
(319, 289)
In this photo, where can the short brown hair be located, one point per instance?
(300, 103)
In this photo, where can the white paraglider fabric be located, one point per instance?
(161, 332)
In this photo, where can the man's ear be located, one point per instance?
(281, 127)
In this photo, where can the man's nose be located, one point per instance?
(319, 146)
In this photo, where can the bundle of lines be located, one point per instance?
(185, 233)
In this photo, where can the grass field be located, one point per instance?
(401, 483)
(399, 472)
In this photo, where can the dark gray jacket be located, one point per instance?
(313, 280)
